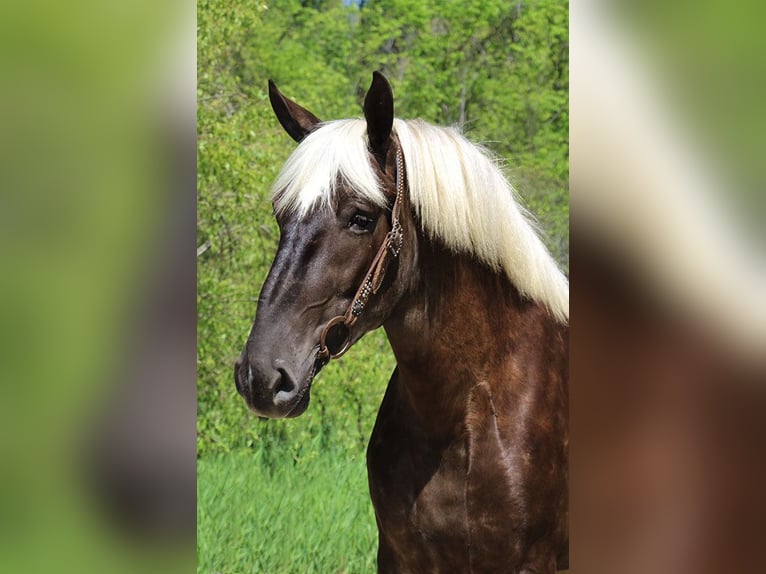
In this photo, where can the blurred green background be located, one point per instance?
(291, 496)
(93, 100)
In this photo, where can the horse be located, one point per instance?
(409, 226)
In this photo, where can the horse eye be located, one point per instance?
(360, 222)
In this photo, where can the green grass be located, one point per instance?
(258, 514)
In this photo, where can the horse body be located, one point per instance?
(467, 462)
(467, 466)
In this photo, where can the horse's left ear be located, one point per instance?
(297, 120)
(379, 113)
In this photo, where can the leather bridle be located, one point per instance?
(340, 327)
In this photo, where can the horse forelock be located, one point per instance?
(336, 152)
(456, 188)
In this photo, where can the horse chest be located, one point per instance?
(418, 491)
(418, 478)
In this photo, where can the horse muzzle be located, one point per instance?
(271, 391)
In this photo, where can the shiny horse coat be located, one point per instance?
(467, 462)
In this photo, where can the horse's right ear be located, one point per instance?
(297, 121)
(379, 113)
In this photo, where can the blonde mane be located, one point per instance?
(456, 188)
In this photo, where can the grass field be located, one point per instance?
(259, 514)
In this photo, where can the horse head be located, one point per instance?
(332, 279)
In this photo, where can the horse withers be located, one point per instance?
(409, 226)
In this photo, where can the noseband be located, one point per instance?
(339, 328)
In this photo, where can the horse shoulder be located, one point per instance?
(508, 528)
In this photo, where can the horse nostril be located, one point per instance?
(284, 384)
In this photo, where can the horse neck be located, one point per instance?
(462, 324)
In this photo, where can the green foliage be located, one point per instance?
(498, 69)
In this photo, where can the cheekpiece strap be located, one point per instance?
(389, 249)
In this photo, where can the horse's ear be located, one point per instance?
(379, 113)
(297, 121)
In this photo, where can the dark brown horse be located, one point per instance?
(410, 226)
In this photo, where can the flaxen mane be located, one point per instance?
(459, 193)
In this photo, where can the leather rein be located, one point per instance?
(389, 249)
